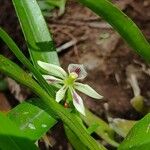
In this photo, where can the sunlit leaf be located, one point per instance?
(138, 137)
(35, 31)
(31, 120)
(11, 138)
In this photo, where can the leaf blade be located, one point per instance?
(26, 114)
(138, 137)
(35, 31)
(11, 137)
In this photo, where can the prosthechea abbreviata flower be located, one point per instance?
(68, 82)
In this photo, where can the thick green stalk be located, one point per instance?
(122, 23)
(76, 143)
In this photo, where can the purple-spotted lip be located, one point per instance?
(78, 69)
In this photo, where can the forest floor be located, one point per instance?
(107, 58)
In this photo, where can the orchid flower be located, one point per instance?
(68, 81)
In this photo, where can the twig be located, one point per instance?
(96, 24)
(66, 45)
(132, 79)
(134, 84)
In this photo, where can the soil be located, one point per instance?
(104, 53)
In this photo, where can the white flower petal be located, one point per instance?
(86, 89)
(78, 102)
(53, 69)
(57, 85)
(61, 93)
(51, 79)
(78, 69)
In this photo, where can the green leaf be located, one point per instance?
(138, 137)
(32, 121)
(122, 23)
(93, 128)
(35, 31)
(58, 3)
(102, 128)
(11, 138)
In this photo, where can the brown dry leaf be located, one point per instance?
(19, 92)
(108, 45)
(91, 61)
(123, 4)
(140, 10)
(4, 105)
